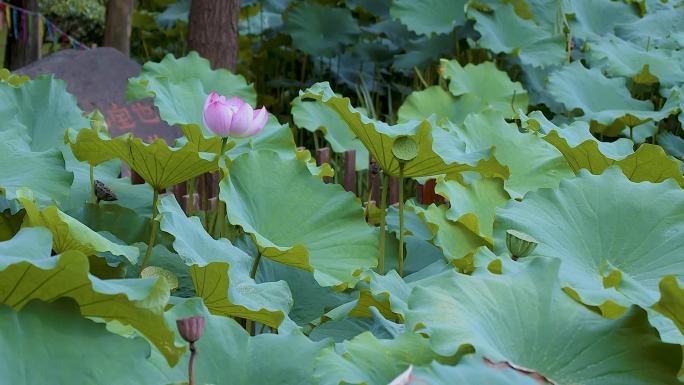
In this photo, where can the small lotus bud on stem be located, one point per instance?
(191, 330)
(519, 244)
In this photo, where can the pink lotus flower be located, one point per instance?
(233, 117)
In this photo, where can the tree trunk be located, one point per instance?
(213, 31)
(19, 53)
(118, 23)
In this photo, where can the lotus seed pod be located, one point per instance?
(519, 244)
(405, 149)
(159, 272)
(191, 328)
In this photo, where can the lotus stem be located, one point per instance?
(249, 324)
(153, 231)
(383, 212)
(220, 209)
(205, 200)
(93, 196)
(401, 219)
(191, 196)
(191, 371)
(255, 266)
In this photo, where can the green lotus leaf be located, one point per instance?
(310, 300)
(648, 163)
(532, 162)
(473, 88)
(324, 170)
(174, 13)
(163, 258)
(314, 116)
(627, 59)
(318, 29)
(546, 332)
(85, 351)
(274, 136)
(434, 156)
(435, 100)
(614, 250)
(413, 225)
(368, 360)
(575, 134)
(593, 19)
(320, 229)
(428, 17)
(468, 369)
(10, 223)
(158, 164)
(502, 31)
(424, 51)
(42, 172)
(673, 144)
(389, 293)
(37, 275)
(376, 7)
(671, 303)
(641, 133)
(420, 252)
(70, 234)
(121, 223)
(583, 151)
(180, 87)
(657, 29)
(606, 103)
(458, 243)
(220, 271)
(228, 355)
(484, 85)
(344, 329)
(474, 204)
(135, 197)
(12, 79)
(42, 110)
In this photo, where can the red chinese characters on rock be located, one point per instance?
(146, 113)
(141, 119)
(119, 118)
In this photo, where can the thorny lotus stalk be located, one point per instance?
(252, 274)
(191, 195)
(220, 213)
(383, 220)
(191, 364)
(404, 150)
(221, 206)
(401, 219)
(153, 231)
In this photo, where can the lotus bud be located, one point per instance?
(232, 117)
(519, 244)
(191, 328)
